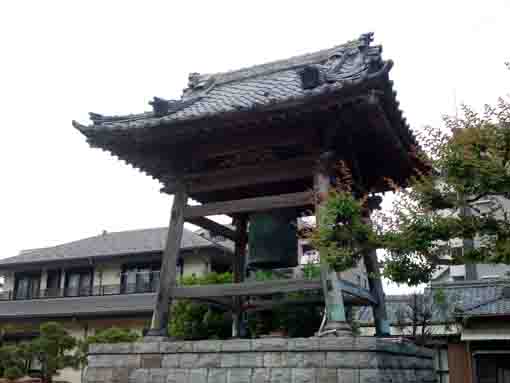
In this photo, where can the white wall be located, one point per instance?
(8, 281)
(195, 264)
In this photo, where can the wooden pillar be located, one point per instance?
(382, 325)
(239, 269)
(168, 272)
(336, 319)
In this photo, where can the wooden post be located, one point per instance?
(382, 325)
(239, 272)
(168, 273)
(336, 320)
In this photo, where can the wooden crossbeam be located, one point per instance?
(241, 176)
(213, 227)
(247, 288)
(267, 288)
(249, 205)
(356, 291)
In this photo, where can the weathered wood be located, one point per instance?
(213, 292)
(213, 227)
(168, 273)
(270, 305)
(241, 223)
(255, 139)
(356, 291)
(250, 205)
(382, 325)
(241, 176)
(247, 288)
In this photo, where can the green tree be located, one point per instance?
(54, 349)
(192, 321)
(109, 335)
(469, 162)
(14, 360)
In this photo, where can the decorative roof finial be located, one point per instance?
(160, 106)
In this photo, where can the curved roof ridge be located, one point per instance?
(276, 65)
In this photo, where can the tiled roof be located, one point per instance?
(481, 297)
(499, 306)
(78, 306)
(110, 244)
(260, 86)
(492, 307)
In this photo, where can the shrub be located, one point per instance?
(113, 335)
(109, 335)
(192, 321)
(53, 350)
(14, 360)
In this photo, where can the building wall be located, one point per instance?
(195, 264)
(356, 275)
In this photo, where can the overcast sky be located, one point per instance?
(61, 59)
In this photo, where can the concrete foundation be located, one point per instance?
(274, 360)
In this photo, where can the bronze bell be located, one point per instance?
(272, 239)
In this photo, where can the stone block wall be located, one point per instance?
(274, 360)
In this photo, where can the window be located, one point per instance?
(140, 278)
(27, 286)
(78, 283)
(53, 283)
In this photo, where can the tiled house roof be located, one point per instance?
(500, 305)
(258, 87)
(111, 244)
(452, 300)
(107, 305)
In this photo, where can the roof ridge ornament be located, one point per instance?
(198, 85)
(163, 107)
(160, 106)
(347, 62)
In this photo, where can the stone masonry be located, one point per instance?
(272, 360)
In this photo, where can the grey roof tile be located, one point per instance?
(482, 297)
(241, 89)
(112, 244)
(499, 306)
(108, 305)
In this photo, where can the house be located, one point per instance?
(108, 280)
(466, 322)
(97, 282)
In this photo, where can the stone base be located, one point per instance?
(341, 329)
(275, 360)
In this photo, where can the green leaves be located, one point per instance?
(192, 321)
(341, 234)
(53, 349)
(460, 198)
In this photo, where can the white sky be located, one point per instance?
(62, 59)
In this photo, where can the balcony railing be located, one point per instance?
(135, 288)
